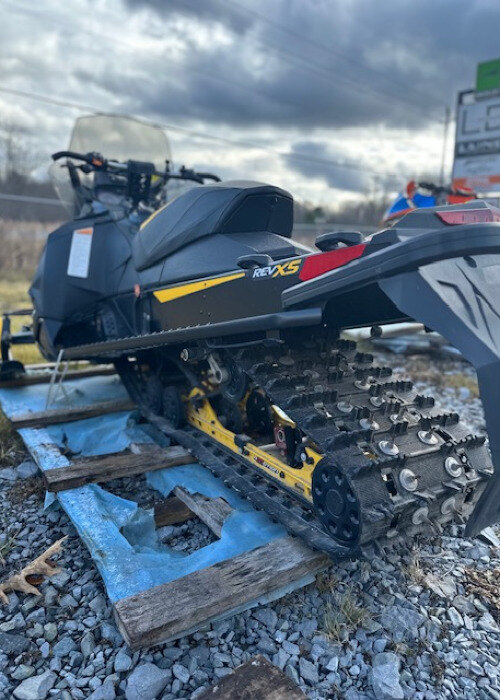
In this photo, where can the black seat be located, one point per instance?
(228, 207)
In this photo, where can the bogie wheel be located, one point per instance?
(173, 407)
(235, 388)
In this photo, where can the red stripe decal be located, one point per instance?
(316, 265)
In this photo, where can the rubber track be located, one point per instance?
(298, 519)
(310, 385)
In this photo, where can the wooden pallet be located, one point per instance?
(41, 419)
(194, 600)
(257, 679)
(44, 377)
(165, 612)
(101, 469)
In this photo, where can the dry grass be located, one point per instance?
(21, 245)
(326, 582)
(12, 449)
(14, 295)
(448, 374)
(343, 616)
(485, 584)
(8, 544)
(415, 570)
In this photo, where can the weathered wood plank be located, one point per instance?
(44, 378)
(171, 511)
(212, 511)
(257, 679)
(40, 419)
(165, 611)
(114, 466)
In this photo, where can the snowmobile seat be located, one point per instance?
(232, 207)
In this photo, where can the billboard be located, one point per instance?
(477, 142)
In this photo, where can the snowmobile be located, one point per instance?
(425, 194)
(227, 334)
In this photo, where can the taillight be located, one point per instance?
(316, 265)
(468, 216)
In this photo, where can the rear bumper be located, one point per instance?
(408, 255)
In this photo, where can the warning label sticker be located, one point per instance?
(79, 255)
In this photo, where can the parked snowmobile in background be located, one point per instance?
(227, 334)
(425, 194)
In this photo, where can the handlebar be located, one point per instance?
(97, 161)
(91, 158)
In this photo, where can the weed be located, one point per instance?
(343, 616)
(12, 449)
(7, 544)
(326, 582)
(414, 570)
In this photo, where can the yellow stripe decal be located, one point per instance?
(183, 290)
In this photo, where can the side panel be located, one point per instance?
(460, 299)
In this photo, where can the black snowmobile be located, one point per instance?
(227, 334)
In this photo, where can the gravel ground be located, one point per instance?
(401, 624)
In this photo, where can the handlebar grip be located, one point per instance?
(209, 176)
(91, 158)
(70, 154)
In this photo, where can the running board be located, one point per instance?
(266, 322)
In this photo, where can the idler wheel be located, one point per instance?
(336, 503)
(173, 406)
(237, 384)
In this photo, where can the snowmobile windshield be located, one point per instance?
(120, 138)
(116, 138)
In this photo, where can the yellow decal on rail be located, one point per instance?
(183, 290)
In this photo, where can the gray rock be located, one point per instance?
(123, 662)
(27, 469)
(267, 617)
(146, 682)
(455, 618)
(8, 474)
(291, 648)
(13, 643)
(106, 691)
(50, 631)
(67, 601)
(181, 672)
(332, 664)
(402, 622)
(308, 671)
(379, 645)
(385, 677)
(64, 647)
(292, 673)
(22, 671)
(36, 687)
(87, 645)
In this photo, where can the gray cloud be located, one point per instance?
(340, 178)
(339, 65)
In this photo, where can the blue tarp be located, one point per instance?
(120, 536)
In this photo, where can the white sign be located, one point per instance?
(477, 143)
(79, 255)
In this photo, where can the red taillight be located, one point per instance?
(316, 265)
(468, 216)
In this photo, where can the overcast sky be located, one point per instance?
(305, 84)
